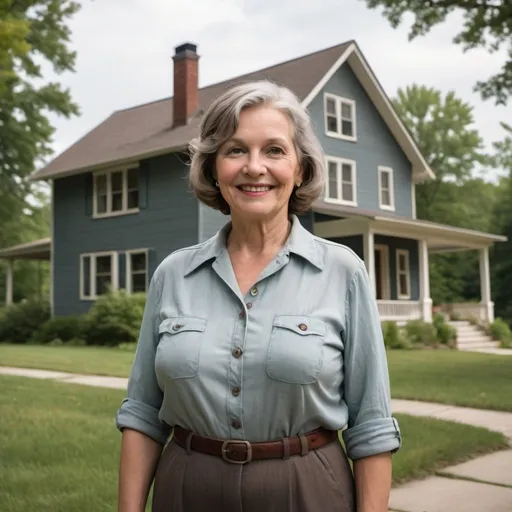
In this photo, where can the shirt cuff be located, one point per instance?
(143, 418)
(372, 437)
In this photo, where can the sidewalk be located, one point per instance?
(483, 484)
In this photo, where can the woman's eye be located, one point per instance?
(276, 150)
(235, 151)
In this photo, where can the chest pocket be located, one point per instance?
(295, 352)
(179, 346)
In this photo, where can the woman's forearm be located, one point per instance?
(373, 482)
(139, 458)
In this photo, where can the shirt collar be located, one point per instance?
(300, 242)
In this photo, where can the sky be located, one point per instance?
(125, 48)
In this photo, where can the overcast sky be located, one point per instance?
(125, 50)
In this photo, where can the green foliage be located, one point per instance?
(500, 330)
(487, 25)
(63, 328)
(421, 333)
(115, 318)
(20, 322)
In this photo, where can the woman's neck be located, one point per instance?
(258, 237)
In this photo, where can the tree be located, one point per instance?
(33, 34)
(487, 24)
(442, 128)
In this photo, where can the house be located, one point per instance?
(121, 202)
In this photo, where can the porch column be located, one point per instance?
(8, 287)
(425, 300)
(369, 256)
(485, 285)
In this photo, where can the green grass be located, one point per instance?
(90, 360)
(443, 376)
(452, 377)
(59, 449)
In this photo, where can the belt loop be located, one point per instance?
(286, 448)
(304, 445)
(188, 443)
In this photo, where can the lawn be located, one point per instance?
(59, 448)
(443, 376)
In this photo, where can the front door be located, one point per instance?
(381, 272)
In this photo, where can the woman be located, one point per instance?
(258, 345)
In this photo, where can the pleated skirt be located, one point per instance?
(322, 480)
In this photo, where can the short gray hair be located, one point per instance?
(220, 122)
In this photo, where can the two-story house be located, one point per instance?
(121, 202)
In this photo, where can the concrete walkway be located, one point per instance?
(483, 484)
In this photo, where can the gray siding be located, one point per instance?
(168, 220)
(375, 145)
(210, 221)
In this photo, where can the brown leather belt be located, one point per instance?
(242, 452)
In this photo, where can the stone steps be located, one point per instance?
(470, 337)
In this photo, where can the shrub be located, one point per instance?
(422, 333)
(20, 322)
(65, 329)
(500, 331)
(115, 318)
(394, 337)
(445, 333)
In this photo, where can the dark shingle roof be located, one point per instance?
(146, 130)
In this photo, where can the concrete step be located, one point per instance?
(459, 323)
(478, 346)
(474, 337)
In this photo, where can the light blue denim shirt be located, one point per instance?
(302, 349)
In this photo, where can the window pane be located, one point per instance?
(331, 106)
(102, 284)
(133, 179)
(101, 204)
(103, 264)
(332, 124)
(86, 276)
(346, 128)
(117, 181)
(101, 193)
(139, 283)
(117, 202)
(333, 180)
(384, 179)
(133, 199)
(346, 173)
(346, 111)
(348, 192)
(402, 262)
(386, 199)
(403, 285)
(138, 261)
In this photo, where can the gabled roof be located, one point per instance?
(146, 130)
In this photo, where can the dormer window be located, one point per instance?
(340, 117)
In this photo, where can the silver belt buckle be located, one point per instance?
(225, 451)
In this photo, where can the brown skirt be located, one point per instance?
(320, 480)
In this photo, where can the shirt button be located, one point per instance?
(303, 327)
(249, 305)
(254, 291)
(237, 352)
(236, 424)
(176, 327)
(235, 391)
(241, 315)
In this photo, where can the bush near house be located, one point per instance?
(20, 322)
(500, 331)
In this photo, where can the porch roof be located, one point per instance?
(440, 237)
(36, 250)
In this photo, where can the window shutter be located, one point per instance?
(122, 270)
(88, 187)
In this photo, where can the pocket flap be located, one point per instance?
(302, 325)
(179, 324)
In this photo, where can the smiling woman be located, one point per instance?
(260, 344)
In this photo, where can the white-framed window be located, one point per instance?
(116, 192)
(340, 117)
(137, 271)
(403, 274)
(340, 182)
(386, 189)
(98, 273)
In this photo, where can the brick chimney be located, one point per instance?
(186, 81)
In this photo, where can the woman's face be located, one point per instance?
(258, 167)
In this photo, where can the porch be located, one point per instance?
(396, 253)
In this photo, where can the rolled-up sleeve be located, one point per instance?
(371, 427)
(140, 409)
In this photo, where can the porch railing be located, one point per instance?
(468, 310)
(399, 310)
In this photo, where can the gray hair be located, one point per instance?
(220, 123)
